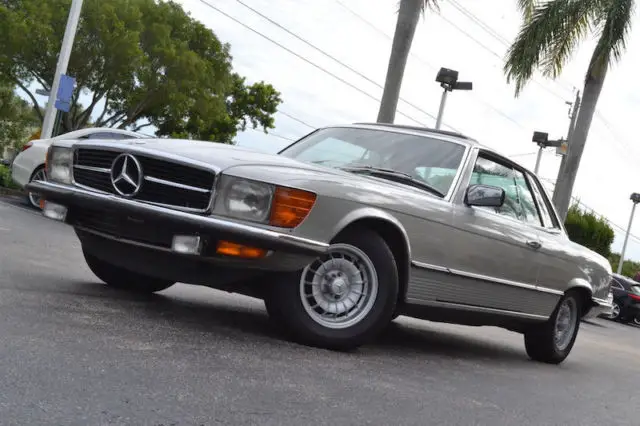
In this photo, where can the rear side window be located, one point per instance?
(635, 289)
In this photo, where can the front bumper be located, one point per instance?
(241, 233)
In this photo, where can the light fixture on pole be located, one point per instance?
(542, 140)
(448, 80)
(635, 197)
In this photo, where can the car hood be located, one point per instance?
(244, 161)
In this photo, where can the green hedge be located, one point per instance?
(591, 231)
(5, 178)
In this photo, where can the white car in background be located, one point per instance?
(29, 164)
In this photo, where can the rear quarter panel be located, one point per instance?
(27, 161)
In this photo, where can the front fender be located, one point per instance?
(371, 213)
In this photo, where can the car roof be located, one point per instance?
(421, 130)
(624, 280)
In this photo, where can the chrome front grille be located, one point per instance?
(165, 182)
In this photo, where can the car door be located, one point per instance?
(557, 260)
(494, 251)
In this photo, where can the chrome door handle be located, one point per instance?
(534, 244)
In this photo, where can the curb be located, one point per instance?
(11, 192)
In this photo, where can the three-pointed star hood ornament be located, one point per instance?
(126, 175)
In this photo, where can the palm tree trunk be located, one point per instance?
(564, 186)
(408, 16)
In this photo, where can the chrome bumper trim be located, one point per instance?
(240, 232)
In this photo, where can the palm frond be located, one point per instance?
(548, 39)
(527, 7)
(613, 30)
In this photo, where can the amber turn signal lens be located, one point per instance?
(290, 207)
(228, 248)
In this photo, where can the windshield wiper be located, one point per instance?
(393, 175)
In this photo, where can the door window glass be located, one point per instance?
(529, 208)
(488, 172)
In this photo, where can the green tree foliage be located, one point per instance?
(140, 63)
(589, 230)
(551, 32)
(17, 118)
(629, 268)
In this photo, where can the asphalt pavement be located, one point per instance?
(74, 352)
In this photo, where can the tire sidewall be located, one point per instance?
(576, 300)
(290, 303)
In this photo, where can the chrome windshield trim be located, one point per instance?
(485, 278)
(176, 184)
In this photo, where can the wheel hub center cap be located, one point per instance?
(339, 286)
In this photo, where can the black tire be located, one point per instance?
(285, 306)
(540, 341)
(124, 279)
(28, 197)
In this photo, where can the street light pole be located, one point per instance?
(61, 67)
(540, 148)
(443, 102)
(542, 140)
(448, 80)
(635, 197)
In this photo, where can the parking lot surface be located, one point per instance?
(75, 352)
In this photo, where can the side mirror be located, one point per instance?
(484, 196)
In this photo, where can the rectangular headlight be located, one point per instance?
(244, 199)
(60, 164)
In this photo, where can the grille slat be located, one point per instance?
(154, 192)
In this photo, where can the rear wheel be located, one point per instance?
(32, 198)
(123, 279)
(342, 299)
(552, 341)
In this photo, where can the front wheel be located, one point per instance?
(342, 299)
(552, 341)
(123, 279)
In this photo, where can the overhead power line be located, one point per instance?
(294, 118)
(328, 55)
(427, 64)
(304, 59)
(577, 200)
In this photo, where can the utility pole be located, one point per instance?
(558, 193)
(61, 67)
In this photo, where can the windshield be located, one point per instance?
(433, 161)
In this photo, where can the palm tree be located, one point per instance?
(408, 14)
(550, 33)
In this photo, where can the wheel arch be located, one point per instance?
(584, 289)
(394, 234)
